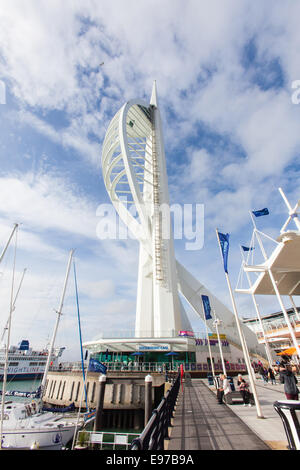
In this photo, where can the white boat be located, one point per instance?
(26, 427)
(24, 363)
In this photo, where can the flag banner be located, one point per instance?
(206, 305)
(247, 248)
(96, 366)
(261, 212)
(224, 242)
(89, 415)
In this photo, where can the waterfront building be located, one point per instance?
(276, 331)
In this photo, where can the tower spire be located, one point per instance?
(153, 100)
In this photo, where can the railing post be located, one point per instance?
(148, 397)
(99, 410)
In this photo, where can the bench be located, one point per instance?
(236, 396)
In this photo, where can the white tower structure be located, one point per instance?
(135, 176)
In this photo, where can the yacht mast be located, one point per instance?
(59, 313)
(8, 330)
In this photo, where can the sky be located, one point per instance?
(225, 74)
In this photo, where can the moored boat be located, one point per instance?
(24, 363)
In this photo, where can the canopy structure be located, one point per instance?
(288, 352)
(279, 274)
(284, 263)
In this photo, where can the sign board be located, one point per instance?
(153, 347)
(215, 336)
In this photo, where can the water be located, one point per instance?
(21, 386)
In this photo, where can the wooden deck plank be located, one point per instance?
(200, 423)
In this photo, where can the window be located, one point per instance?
(63, 389)
(77, 391)
(72, 388)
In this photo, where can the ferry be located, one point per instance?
(26, 364)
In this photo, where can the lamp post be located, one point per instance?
(216, 324)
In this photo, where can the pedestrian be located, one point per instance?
(289, 380)
(262, 373)
(244, 390)
(271, 376)
(224, 388)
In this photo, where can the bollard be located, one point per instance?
(148, 398)
(99, 410)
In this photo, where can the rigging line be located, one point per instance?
(80, 337)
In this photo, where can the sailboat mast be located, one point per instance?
(8, 333)
(14, 305)
(8, 242)
(59, 313)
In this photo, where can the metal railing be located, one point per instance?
(288, 411)
(104, 440)
(156, 430)
(159, 367)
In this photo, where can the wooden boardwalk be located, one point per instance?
(200, 423)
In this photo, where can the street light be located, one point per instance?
(216, 323)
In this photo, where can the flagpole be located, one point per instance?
(243, 342)
(208, 342)
(258, 315)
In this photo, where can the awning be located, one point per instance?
(285, 265)
(287, 352)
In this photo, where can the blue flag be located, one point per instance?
(246, 248)
(96, 366)
(224, 242)
(206, 305)
(261, 212)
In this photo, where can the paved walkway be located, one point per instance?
(200, 423)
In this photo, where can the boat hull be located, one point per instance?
(15, 377)
(42, 439)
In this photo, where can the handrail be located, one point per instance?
(156, 430)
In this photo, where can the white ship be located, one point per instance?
(26, 364)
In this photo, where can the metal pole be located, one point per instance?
(7, 244)
(216, 323)
(80, 335)
(292, 212)
(148, 398)
(14, 305)
(243, 342)
(8, 340)
(294, 307)
(209, 348)
(59, 313)
(98, 425)
(267, 348)
(276, 290)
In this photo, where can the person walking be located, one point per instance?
(244, 390)
(271, 376)
(289, 380)
(262, 373)
(224, 388)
